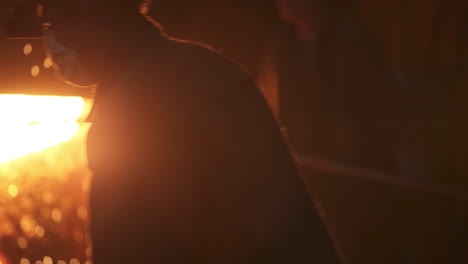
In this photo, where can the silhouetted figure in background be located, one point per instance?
(331, 85)
(189, 165)
(336, 93)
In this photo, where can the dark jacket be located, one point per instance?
(190, 167)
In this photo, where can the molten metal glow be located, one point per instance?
(44, 179)
(30, 124)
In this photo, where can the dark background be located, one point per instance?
(420, 36)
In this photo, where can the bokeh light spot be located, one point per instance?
(13, 190)
(22, 242)
(56, 215)
(47, 260)
(48, 63)
(27, 49)
(28, 225)
(25, 261)
(40, 232)
(35, 70)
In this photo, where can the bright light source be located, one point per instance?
(43, 178)
(19, 108)
(30, 124)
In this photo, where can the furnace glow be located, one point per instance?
(31, 124)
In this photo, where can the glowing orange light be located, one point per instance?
(30, 124)
(43, 177)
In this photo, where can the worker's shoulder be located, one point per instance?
(186, 75)
(162, 55)
(203, 61)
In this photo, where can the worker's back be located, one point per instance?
(190, 167)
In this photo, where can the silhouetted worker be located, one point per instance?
(340, 102)
(338, 97)
(189, 165)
